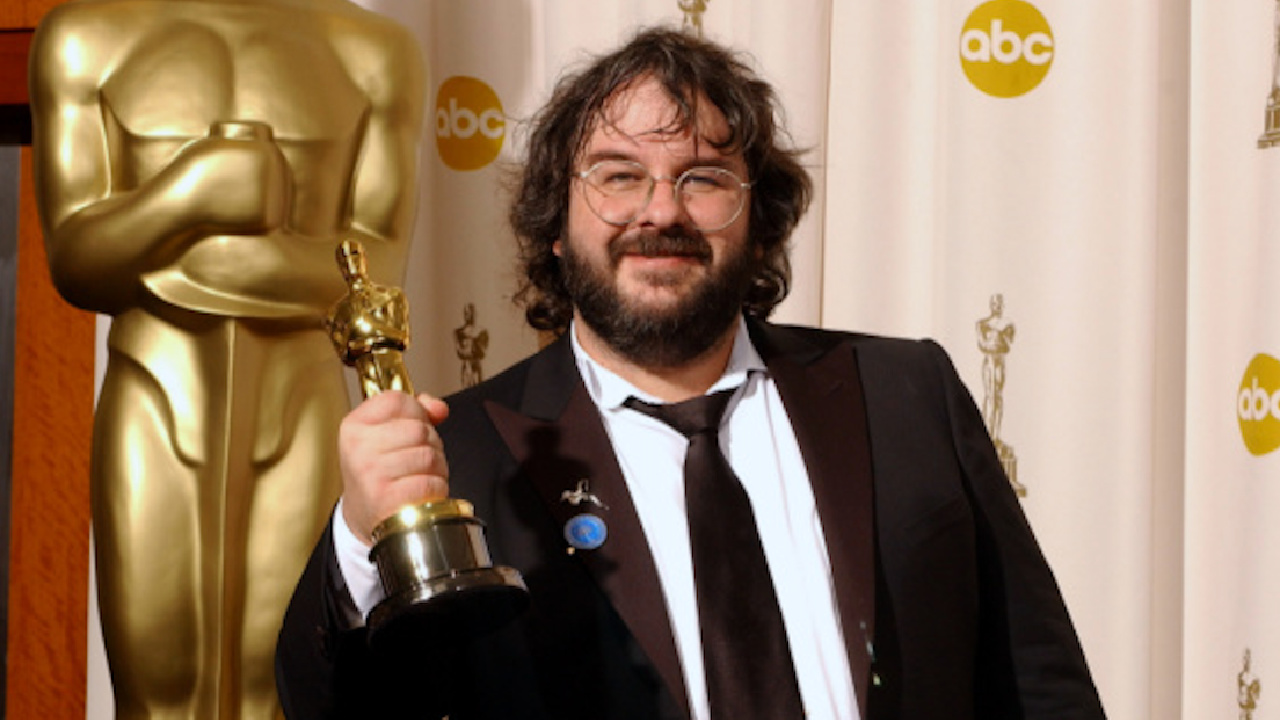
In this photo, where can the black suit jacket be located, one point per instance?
(948, 608)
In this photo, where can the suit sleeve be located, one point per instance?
(1030, 662)
(306, 650)
(325, 668)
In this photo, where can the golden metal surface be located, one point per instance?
(433, 563)
(369, 326)
(415, 516)
(197, 162)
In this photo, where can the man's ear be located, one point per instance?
(557, 248)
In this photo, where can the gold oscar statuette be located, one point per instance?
(432, 558)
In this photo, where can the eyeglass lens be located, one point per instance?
(618, 191)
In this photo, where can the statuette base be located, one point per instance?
(434, 565)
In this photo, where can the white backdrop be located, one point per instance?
(1233, 550)
(1105, 179)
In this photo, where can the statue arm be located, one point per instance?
(384, 189)
(101, 236)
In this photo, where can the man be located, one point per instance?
(653, 215)
(197, 164)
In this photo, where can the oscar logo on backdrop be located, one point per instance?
(471, 344)
(995, 339)
(693, 11)
(1271, 130)
(196, 164)
(1248, 688)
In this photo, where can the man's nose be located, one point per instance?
(665, 208)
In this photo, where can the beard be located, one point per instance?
(671, 335)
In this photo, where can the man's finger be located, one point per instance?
(385, 406)
(437, 410)
(416, 489)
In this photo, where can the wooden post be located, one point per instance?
(53, 419)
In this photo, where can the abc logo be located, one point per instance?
(470, 124)
(1258, 405)
(1006, 48)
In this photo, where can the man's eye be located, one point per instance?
(623, 180)
(706, 180)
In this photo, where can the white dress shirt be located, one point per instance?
(760, 445)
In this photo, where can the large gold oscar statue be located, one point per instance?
(197, 163)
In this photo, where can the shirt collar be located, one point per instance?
(609, 390)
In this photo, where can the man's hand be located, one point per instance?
(391, 457)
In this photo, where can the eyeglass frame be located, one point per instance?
(675, 184)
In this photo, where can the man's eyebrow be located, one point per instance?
(601, 155)
(717, 161)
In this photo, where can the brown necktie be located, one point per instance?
(744, 643)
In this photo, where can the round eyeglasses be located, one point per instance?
(617, 191)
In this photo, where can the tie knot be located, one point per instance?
(690, 417)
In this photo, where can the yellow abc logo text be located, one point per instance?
(1006, 47)
(470, 124)
(1258, 405)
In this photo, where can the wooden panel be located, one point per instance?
(24, 13)
(14, 46)
(53, 412)
(53, 420)
(17, 19)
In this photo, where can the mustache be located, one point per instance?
(674, 242)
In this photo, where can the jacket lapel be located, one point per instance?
(822, 392)
(558, 440)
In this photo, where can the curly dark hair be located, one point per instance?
(688, 68)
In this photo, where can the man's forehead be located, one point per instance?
(645, 112)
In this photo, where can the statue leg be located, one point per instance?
(146, 532)
(295, 488)
(197, 559)
(989, 392)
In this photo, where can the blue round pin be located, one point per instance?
(585, 531)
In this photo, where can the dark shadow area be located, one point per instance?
(8, 315)
(15, 125)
